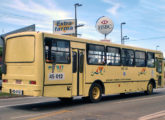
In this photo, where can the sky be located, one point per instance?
(145, 19)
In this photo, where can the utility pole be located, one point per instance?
(123, 23)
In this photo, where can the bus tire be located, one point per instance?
(150, 87)
(95, 93)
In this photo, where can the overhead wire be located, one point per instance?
(151, 38)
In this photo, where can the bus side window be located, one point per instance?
(113, 56)
(95, 54)
(48, 54)
(59, 49)
(159, 66)
(128, 57)
(140, 58)
(150, 59)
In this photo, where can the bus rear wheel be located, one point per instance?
(149, 88)
(95, 93)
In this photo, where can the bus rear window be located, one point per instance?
(58, 49)
(20, 49)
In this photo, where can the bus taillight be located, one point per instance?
(32, 82)
(5, 80)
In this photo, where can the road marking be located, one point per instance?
(15, 98)
(3, 106)
(30, 115)
(49, 115)
(14, 105)
(18, 104)
(148, 98)
(153, 116)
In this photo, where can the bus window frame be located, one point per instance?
(87, 49)
(58, 39)
(138, 58)
(125, 57)
(119, 53)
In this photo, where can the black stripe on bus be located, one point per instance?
(57, 84)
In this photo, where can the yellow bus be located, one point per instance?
(43, 64)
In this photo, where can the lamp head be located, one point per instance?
(77, 4)
(123, 23)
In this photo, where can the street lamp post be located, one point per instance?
(122, 31)
(76, 5)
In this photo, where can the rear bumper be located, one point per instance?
(27, 90)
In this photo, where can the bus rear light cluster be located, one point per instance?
(32, 82)
(5, 80)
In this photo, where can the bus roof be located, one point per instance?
(82, 40)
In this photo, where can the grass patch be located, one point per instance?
(7, 95)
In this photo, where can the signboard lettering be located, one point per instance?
(64, 27)
(104, 25)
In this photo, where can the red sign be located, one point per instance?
(104, 22)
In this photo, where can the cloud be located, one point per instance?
(115, 6)
(114, 9)
(30, 12)
(50, 10)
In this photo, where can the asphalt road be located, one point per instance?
(136, 106)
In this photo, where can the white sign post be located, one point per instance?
(104, 25)
(64, 27)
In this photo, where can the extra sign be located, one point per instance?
(104, 25)
(64, 27)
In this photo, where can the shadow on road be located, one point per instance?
(57, 105)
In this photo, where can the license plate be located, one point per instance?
(56, 76)
(18, 92)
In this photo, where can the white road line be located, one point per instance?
(18, 104)
(148, 98)
(153, 116)
(22, 104)
(17, 98)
